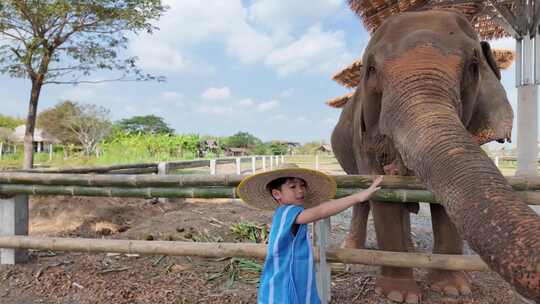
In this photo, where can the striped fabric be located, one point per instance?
(288, 276)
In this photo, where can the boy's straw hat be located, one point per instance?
(253, 189)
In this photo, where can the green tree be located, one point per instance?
(63, 41)
(277, 148)
(91, 124)
(242, 140)
(56, 120)
(10, 122)
(149, 124)
(310, 147)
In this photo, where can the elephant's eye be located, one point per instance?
(473, 66)
(371, 69)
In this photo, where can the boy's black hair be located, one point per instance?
(278, 182)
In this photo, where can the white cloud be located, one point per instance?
(216, 93)
(287, 93)
(317, 51)
(248, 102)
(284, 15)
(171, 96)
(159, 56)
(278, 117)
(505, 43)
(262, 32)
(265, 106)
(216, 110)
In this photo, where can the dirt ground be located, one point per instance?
(59, 277)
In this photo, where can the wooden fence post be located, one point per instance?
(163, 169)
(321, 230)
(238, 165)
(13, 221)
(264, 162)
(253, 164)
(213, 167)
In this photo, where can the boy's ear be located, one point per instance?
(276, 194)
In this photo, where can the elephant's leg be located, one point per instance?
(358, 229)
(393, 234)
(447, 241)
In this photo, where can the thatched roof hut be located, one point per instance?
(479, 13)
(39, 136)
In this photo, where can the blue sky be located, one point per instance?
(261, 66)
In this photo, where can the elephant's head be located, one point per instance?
(429, 96)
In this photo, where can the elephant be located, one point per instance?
(429, 96)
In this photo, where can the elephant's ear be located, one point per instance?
(342, 138)
(488, 55)
(492, 115)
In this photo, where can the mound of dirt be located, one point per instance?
(58, 277)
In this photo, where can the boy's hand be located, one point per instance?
(374, 187)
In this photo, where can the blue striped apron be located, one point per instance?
(288, 276)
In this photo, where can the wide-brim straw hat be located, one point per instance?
(253, 190)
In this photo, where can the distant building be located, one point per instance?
(236, 152)
(291, 147)
(324, 149)
(43, 141)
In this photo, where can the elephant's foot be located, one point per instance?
(452, 283)
(398, 289)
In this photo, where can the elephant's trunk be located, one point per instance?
(422, 120)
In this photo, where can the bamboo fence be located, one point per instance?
(220, 250)
(519, 183)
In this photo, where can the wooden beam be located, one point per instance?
(533, 29)
(506, 20)
(219, 250)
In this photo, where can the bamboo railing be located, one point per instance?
(220, 250)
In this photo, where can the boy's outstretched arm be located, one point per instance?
(332, 207)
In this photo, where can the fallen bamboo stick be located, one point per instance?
(217, 250)
(202, 180)
(383, 195)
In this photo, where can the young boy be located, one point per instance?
(299, 196)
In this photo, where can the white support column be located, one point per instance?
(1, 149)
(253, 164)
(317, 162)
(282, 159)
(50, 152)
(271, 162)
(264, 162)
(277, 160)
(163, 169)
(13, 221)
(39, 146)
(238, 165)
(527, 107)
(324, 280)
(213, 167)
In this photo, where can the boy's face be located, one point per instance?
(291, 192)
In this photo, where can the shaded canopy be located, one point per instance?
(481, 14)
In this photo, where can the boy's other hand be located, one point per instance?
(374, 187)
